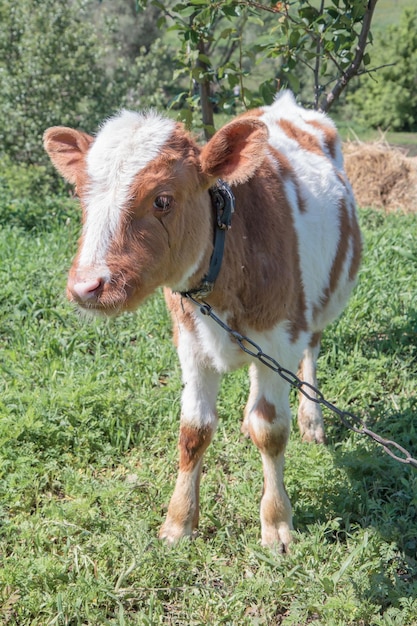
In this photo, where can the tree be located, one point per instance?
(50, 73)
(388, 98)
(75, 62)
(129, 32)
(328, 38)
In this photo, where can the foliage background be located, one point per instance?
(388, 98)
(75, 62)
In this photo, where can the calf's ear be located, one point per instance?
(66, 148)
(236, 151)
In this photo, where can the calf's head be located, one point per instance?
(143, 186)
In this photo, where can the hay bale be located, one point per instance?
(382, 176)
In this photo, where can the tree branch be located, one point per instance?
(204, 90)
(317, 65)
(353, 68)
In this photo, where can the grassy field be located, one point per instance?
(88, 428)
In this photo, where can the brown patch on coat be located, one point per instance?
(349, 234)
(307, 141)
(357, 247)
(182, 313)
(342, 248)
(287, 172)
(260, 279)
(193, 442)
(315, 339)
(266, 410)
(271, 441)
(342, 177)
(340, 257)
(330, 136)
(267, 433)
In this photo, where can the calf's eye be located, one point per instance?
(162, 203)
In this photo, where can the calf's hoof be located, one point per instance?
(311, 426)
(277, 538)
(313, 435)
(171, 533)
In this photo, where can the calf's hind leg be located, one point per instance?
(268, 419)
(310, 417)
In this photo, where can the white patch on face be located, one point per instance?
(124, 146)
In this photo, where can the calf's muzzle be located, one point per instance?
(85, 290)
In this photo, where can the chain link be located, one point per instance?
(349, 420)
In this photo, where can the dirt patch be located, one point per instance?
(382, 176)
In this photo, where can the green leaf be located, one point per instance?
(308, 13)
(366, 59)
(204, 58)
(294, 38)
(226, 32)
(349, 560)
(294, 82)
(186, 11)
(268, 91)
(230, 10)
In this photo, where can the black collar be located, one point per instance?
(223, 202)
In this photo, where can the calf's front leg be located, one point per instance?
(197, 427)
(183, 510)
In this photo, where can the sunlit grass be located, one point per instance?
(88, 428)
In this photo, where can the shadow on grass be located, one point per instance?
(374, 479)
(376, 493)
(363, 487)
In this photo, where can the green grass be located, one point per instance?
(88, 429)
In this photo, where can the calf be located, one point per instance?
(290, 262)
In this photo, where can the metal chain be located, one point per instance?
(349, 420)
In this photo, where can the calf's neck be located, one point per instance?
(290, 261)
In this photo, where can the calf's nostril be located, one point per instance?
(86, 289)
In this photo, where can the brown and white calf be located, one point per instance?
(290, 262)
